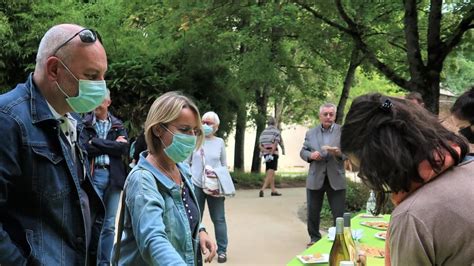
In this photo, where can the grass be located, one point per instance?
(255, 181)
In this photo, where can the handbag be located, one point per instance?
(211, 184)
(216, 182)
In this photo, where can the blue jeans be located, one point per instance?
(110, 196)
(217, 212)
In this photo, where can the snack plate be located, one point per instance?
(310, 259)
(381, 235)
(379, 225)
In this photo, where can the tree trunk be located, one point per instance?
(279, 107)
(241, 123)
(261, 99)
(239, 150)
(356, 60)
(430, 92)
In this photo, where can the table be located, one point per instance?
(368, 239)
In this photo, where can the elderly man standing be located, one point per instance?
(50, 213)
(107, 143)
(321, 149)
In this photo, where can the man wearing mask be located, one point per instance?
(107, 143)
(322, 150)
(50, 213)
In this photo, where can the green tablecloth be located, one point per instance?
(368, 239)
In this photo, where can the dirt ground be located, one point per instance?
(263, 231)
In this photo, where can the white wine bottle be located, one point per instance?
(339, 250)
(351, 246)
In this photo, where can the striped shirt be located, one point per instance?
(102, 127)
(271, 135)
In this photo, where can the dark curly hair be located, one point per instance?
(390, 137)
(463, 107)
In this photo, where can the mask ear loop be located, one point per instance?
(159, 137)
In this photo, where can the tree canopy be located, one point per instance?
(246, 60)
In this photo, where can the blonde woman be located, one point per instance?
(162, 219)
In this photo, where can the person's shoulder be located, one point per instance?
(88, 118)
(115, 120)
(311, 130)
(13, 98)
(220, 140)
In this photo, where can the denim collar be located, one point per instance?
(39, 107)
(40, 111)
(163, 179)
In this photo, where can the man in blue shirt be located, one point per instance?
(107, 143)
(50, 213)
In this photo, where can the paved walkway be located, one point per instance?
(263, 231)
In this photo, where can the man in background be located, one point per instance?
(416, 98)
(106, 144)
(322, 150)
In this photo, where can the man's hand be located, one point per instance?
(334, 151)
(121, 139)
(316, 156)
(208, 247)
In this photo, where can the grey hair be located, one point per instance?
(327, 105)
(271, 121)
(212, 115)
(54, 37)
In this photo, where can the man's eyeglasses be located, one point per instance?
(86, 36)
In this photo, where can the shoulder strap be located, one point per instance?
(116, 255)
(116, 250)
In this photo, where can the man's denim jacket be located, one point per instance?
(42, 206)
(156, 227)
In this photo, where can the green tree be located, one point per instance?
(443, 25)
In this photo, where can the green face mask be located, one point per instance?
(181, 147)
(91, 94)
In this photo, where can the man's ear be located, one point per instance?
(52, 66)
(108, 102)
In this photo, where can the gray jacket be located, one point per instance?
(332, 165)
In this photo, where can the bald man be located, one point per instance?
(50, 214)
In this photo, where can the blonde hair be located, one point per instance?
(164, 110)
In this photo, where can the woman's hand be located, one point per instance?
(208, 247)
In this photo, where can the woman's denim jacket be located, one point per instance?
(44, 200)
(156, 227)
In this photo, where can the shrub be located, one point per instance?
(356, 196)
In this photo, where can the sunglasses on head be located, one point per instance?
(86, 36)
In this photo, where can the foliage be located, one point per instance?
(408, 42)
(226, 54)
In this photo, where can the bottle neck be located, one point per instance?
(339, 225)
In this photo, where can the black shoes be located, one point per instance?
(260, 194)
(221, 258)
